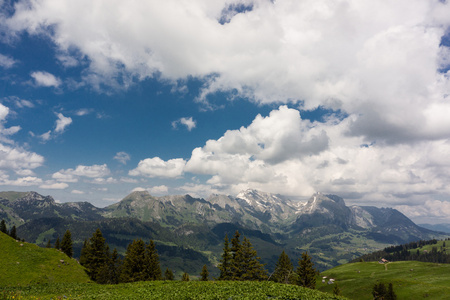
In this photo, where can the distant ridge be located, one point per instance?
(324, 225)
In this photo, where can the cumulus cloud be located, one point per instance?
(96, 172)
(22, 181)
(159, 190)
(54, 185)
(16, 158)
(122, 157)
(45, 79)
(156, 167)
(6, 61)
(350, 55)
(62, 123)
(188, 122)
(293, 159)
(77, 192)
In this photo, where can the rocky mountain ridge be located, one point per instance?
(189, 227)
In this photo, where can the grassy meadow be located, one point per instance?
(23, 264)
(411, 279)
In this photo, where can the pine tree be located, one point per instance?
(94, 255)
(379, 291)
(3, 227)
(66, 244)
(248, 262)
(152, 268)
(13, 232)
(49, 244)
(57, 244)
(306, 272)
(185, 277)
(236, 259)
(168, 274)
(226, 262)
(85, 252)
(115, 265)
(283, 269)
(336, 290)
(134, 266)
(390, 295)
(204, 274)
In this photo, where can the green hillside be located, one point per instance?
(24, 263)
(411, 279)
(171, 290)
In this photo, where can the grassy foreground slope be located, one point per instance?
(411, 279)
(171, 290)
(24, 263)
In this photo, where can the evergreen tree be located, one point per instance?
(13, 232)
(390, 295)
(225, 262)
(95, 255)
(283, 269)
(152, 268)
(57, 244)
(379, 291)
(103, 274)
(3, 227)
(204, 274)
(168, 274)
(49, 244)
(336, 290)
(66, 244)
(248, 263)
(115, 265)
(85, 252)
(306, 272)
(185, 277)
(236, 258)
(134, 265)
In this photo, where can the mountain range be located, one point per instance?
(189, 231)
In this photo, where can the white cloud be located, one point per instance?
(122, 157)
(45, 79)
(108, 180)
(156, 167)
(83, 112)
(62, 123)
(6, 61)
(95, 171)
(21, 103)
(54, 185)
(19, 159)
(128, 180)
(352, 55)
(22, 181)
(46, 136)
(435, 210)
(159, 190)
(77, 192)
(188, 122)
(275, 159)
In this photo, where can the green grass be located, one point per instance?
(411, 279)
(24, 263)
(173, 290)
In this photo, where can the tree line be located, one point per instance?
(405, 253)
(12, 232)
(241, 262)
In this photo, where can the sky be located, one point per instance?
(349, 97)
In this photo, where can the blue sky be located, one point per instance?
(98, 99)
